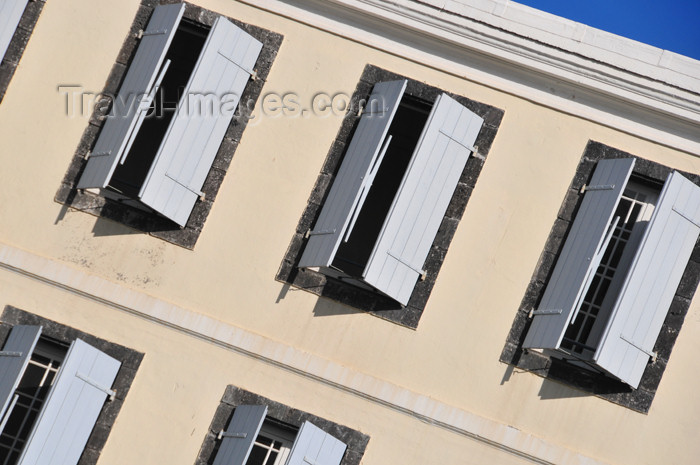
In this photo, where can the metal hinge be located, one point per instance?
(97, 154)
(601, 187)
(10, 354)
(143, 33)
(653, 355)
(318, 233)
(422, 273)
(224, 434)
(534, 312)
(96, 385)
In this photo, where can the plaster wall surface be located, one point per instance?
(229, 276)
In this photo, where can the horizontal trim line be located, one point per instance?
(420, 407)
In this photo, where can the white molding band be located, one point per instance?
(607, 79)
(421, 407)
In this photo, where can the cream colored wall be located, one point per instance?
(452, 356)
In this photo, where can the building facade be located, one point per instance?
(344, 232)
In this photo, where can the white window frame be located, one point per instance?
(275, 433)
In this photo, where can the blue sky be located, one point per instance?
(669, 24)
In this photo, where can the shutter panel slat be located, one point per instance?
(240, 435)
(422, 199)
(566, 285)
(128, 105)
(347, 187)
(71, 408)
(13, 361)
(190, 145)
(313, 446)
(652, 281)
(10, 14)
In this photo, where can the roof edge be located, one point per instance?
(653, 101)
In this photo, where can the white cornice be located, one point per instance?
(579, 70)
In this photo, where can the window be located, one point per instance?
(160, 160)
(34, 385)
(243, 443)
(249, 429)
(631, 217)
(639, 291)
(611, 298)
(359, 241)
(17, 20)
(53, 393)
(393, 187)
(167, 123)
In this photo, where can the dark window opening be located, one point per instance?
(183, 54)
(30, 396)
(405, 130)
(631, 218)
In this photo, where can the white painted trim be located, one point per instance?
(421, 407)
(620, 83)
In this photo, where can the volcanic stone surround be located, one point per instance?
(555, 369)
(19, 41)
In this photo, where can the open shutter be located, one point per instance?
(133, 98)
(420, 204)
(237, 441)
(208, 103)
(71, 407)
(570, 278)
(652, 281)
(346, 191)
(313, 446)
(14, 358)
(10, 14)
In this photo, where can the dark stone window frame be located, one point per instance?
(368, 301)
(555, 369)
(19, 41)
(130, 359)
(235, 396)
(135, 218)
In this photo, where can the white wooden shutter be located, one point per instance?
(71, 408)
(422, 199)
(14, 358)
(651, 283)
(577, 260)
(10, 14)
(189, 147)
(237, 441)
(133, 97)
(347, 188)
(313, 446)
